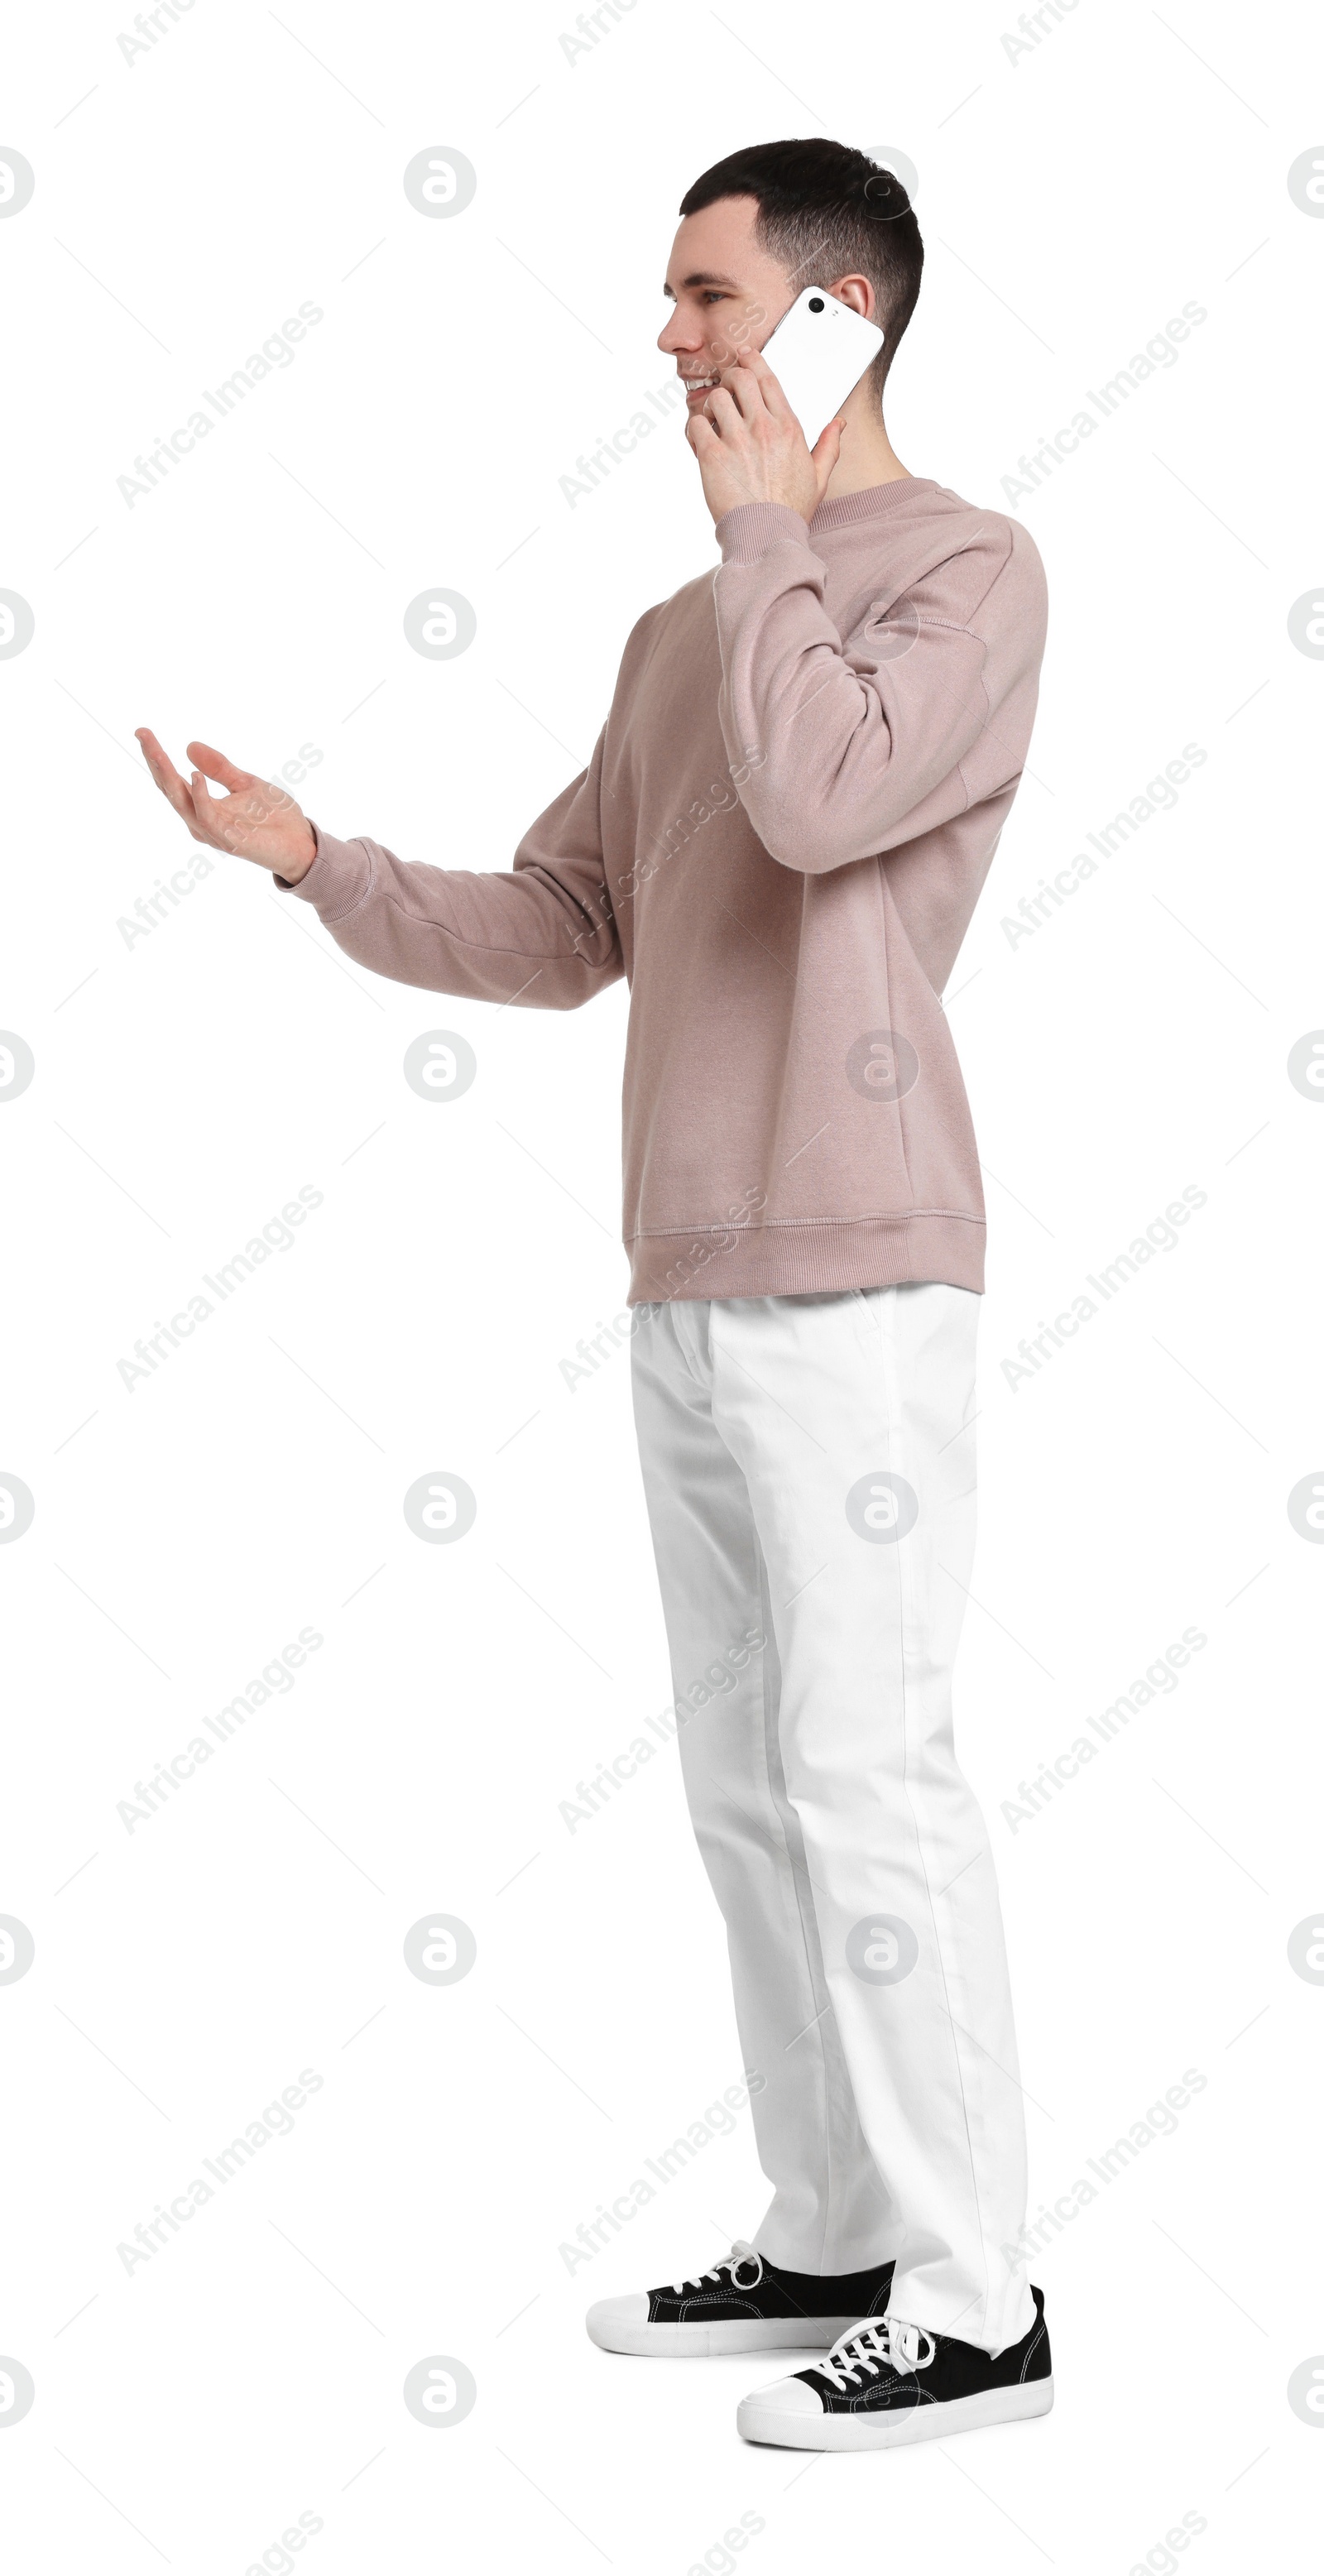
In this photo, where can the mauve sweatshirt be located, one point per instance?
(779, 841)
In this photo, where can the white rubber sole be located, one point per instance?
(740, 2334)
(760, 2422)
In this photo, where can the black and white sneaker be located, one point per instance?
(888, 2382)
(744, 2304)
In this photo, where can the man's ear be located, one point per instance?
(858, 293)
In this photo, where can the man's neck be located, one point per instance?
(867, 454)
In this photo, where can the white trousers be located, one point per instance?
(809, 1470)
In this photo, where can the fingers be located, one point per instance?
(742, 388)
(166, 776)
(825, 451)
(209, 821)
(722, 409)
(161, 766)
(214, 764)
(228, 825)
(225, 825)
(765, 377)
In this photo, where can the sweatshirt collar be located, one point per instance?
(870, 503)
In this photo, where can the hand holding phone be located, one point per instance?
(771, 431)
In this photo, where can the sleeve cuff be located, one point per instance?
(338, 879)
(752, 530)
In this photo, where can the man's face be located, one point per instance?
(728, 293)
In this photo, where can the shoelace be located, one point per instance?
(731, 2263)
(880, 2343)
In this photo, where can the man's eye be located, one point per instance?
(713, 295)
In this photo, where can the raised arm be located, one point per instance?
(866, 737)
(844, 745)
(540, 934)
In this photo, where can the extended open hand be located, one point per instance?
(254, 820)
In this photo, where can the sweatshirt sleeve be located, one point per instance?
(542, 933)
(850, 745)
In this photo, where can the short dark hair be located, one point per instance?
(826, 211)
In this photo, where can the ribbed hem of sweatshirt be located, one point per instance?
(804, 1259)
(338, 880)
(747, 532)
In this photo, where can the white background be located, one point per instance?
(186, 1086)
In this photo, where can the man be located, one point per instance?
(780, 839)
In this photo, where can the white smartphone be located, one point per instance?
(818, 353)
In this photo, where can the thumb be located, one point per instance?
(826, 453)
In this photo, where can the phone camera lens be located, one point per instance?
(815, 303)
